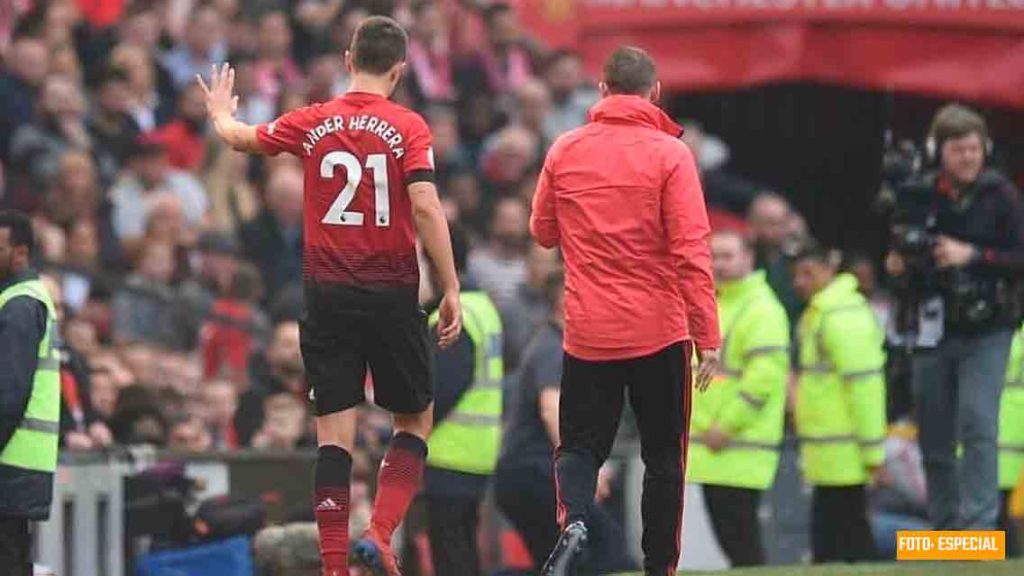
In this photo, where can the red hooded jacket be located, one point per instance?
(622, 198)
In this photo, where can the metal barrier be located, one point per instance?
(84, 535)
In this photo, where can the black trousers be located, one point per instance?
(734, 519)
(592, 396)
(15, 547)
(452, 526)
(1007, 523)
(525, 493)
(840, 531)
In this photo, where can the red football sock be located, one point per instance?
(398, 481)
(331, 505)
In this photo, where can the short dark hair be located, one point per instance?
(954, 121)
(20, 227)
(378, 45)
(630, 70)
(815, 253)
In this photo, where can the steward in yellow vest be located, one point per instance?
(840, 408)
(737, 425)
(29, 395)
(463, 447)
(1011, 440)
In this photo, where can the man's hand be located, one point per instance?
(953, 253)
(78, 442)
(449, 325)
(707, 366)
(716, 439)
(221, 102)
(100, 434)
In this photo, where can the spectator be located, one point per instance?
(313, 20)
(770, 218)
(508, 156)
(149, 105)
(278, 369)
(430, 62)
(137, 418)
(505, 60)
(25, 68)
(528, 309)
(144, 308)
(464, 189)
(571, 99)
(111, 125)
(253, 107)
(533, 107)
(80, 427)
(36, 147)
(189, 434)
(233, 198)
(184, 137)
(147, 172)
(275, 68)
(274, 239)
(104, 393)
(219, 405)
(450, 155)
(326, 78)
(501, 264)
(284, 423)
(203, 46)
(235, 328)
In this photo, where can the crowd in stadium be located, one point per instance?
(176, 263)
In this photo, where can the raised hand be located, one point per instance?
(220, 98)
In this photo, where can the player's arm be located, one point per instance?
(432, 228)
(221, 103)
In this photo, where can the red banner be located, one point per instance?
(963, 49)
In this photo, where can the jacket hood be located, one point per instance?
(842, 290)
(738, 289)
(627, 109)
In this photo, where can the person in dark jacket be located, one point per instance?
(29, 396)
(967, 299)
(463, 448)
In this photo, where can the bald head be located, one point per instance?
(769, 215)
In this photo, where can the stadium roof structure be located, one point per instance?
(962, 49)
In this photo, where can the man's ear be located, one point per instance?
(396, 73)
(348, 62)
(656, 92)
(603, 87)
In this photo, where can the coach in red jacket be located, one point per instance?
(622, 199)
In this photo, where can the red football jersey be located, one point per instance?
(359, 153)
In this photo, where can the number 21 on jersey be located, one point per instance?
(338, 214)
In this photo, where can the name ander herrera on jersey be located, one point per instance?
(363, 122)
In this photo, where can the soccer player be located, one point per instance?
(622, 199)
(368, 189)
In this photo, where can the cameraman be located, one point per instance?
(967, 307)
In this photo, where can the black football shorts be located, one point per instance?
(339, 341)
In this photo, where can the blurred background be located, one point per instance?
(177, 263)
